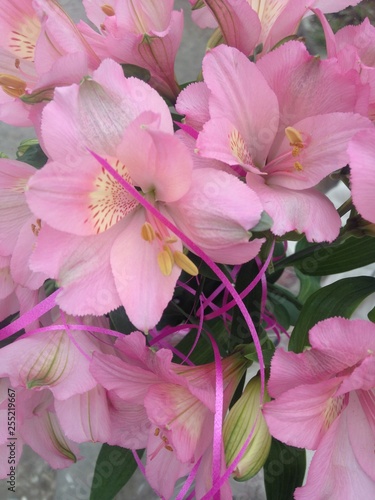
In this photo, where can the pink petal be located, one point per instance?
(334, 472)
(356, 339)
(362, 154)
(130, 426)
(134, 264)
(163, 468)
(238, 23)
(81, 267)
(129, 382)
(289, 370)
(217, 213)
(85, 417)
(307, 211)
(361, 429)
(193, 103)
(240, 94)
(301, 416)
(188, 421)
(157, 162)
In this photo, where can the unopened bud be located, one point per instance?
(246, 418)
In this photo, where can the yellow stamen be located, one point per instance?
(168, 447)
(184, 263)
(171, 239)
(148, 232)
(11, 85)
(165, 262)
(157, 431)
(293, 136)
(298, 166)
(108, 10)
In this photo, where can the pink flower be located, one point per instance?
(107, 241)
(246, 24)
(36, 425)
(286, 140)
(325, 401)
(353, 46)
(165, 406)
(40, 49)
(146, 33)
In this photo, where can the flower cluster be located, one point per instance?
(145, 253)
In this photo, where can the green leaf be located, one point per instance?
(323, 259)
(283, 305)
(114, 467)
(308, 285)
(30, 152)
(371, 315)
(284, 470)
(120, 321)
(136, 71)
(338, 299)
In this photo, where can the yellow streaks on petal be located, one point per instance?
(12, 85)
(239, 148)
(183, 262)
(332, 410)
(108, 10)
(148, 232)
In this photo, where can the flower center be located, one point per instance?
(296, 141)
(163, 444)
(110, 202)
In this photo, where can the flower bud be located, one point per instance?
(244, 418)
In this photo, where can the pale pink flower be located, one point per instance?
(105, 239)
(354, 48)
(145, 33)
(325, 401)
(167, 407)
(40, 49)
(245, 24)
(36, 425)
(286, 140)
(59, 360)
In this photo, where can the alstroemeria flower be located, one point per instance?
(36, 425)
(170, 407)
(245, 24)
(146, 33)
(40, 49)
(74, 194)
(286, 140)
(325, 401)
(353, 46)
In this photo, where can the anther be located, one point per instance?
(293, 136)
(165, 262)
(184, 263)
(148, 232)
(157, 431)
(11, 85)
(168, 447)
(108, 10)
(298, 166)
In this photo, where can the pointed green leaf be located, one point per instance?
(322, 259)
(284, 470)
(114, 467)
(338, 299)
